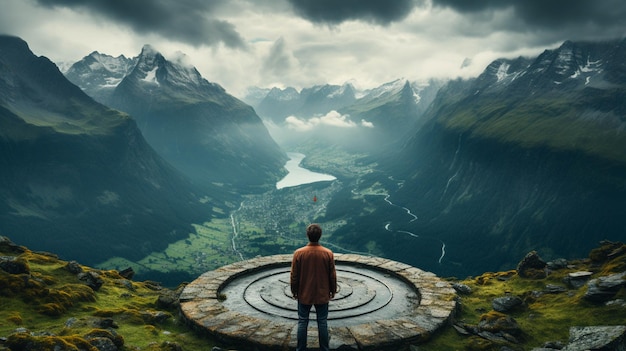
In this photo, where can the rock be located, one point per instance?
(597, 338)
(578, 279)
(559, 263)
(550, 346)
(6, 245)
(604, 288)
(92, 279)
(127, 273)
(14, 265)
(74, 268)
(506, 303)
(498, 323)
(554, 289)
(531, 266)
(462, 288)
(168, 299)
(103, 344)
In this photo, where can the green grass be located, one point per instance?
(556, 123)
(207, 248)
(545, 317)
(49, 282)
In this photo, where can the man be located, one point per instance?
(313, 283)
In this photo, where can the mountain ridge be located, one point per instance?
(198, 127)
(75, 173)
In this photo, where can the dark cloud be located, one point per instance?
(337, 11)
(189, 21)
(555, 14)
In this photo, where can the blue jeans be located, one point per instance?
(321, 311)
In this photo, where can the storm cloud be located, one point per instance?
(551, 14)
(189, 21)
(335, 12)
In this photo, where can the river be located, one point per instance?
(298, 175)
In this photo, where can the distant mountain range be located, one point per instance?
(389, 110)
(530, 155)
(195, 125)
(77, 177)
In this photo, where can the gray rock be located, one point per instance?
(531, 266)
(14, 265)
(462, 288)
(604, 288)
(92, 279)
(578, 279)
(559, 263)
(103, 344)
(506, 303)
(554, 289)
(74, 268)
(608, 338)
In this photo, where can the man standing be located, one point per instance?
(313, 282)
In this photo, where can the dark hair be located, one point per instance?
(314, 232)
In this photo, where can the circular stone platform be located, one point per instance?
(381, 304)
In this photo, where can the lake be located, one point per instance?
(298, 175)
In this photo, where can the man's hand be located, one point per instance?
(332, 295)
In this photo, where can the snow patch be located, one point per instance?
(151, 76)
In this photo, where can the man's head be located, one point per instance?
(314, 232)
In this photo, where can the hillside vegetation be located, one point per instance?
(51, 304)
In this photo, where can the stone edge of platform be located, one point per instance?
(201, 308)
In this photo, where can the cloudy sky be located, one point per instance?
(299, 43)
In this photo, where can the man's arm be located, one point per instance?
(294, 277)
(332, 277)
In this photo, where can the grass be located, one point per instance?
(544, 317)
(553, 122)
(207, 248)
(141, 323)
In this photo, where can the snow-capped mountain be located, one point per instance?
(279, 103)
(99, 74)
(76, 175)
(530, 155)
(572, 66)
(194, 124)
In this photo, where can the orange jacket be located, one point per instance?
(313, 275)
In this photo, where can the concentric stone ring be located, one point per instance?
(381, 304)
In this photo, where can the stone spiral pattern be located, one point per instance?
(381, 304)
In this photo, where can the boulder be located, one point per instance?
(462, 288)
(92, 279)
(506, 303)
(532, 266)
(604, 288)
(14, 265)
(74, 267)
(498, 324)
(578, 279)
(608, 338)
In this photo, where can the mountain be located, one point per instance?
(317, 100)
(99, 74)
(195, 125)
(77, 177)
(530, 155)
(393, 109)
(384, 114)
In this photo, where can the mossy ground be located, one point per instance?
(544, 317)
(62, 312)
(51, 302)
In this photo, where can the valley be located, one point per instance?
(264, 224)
